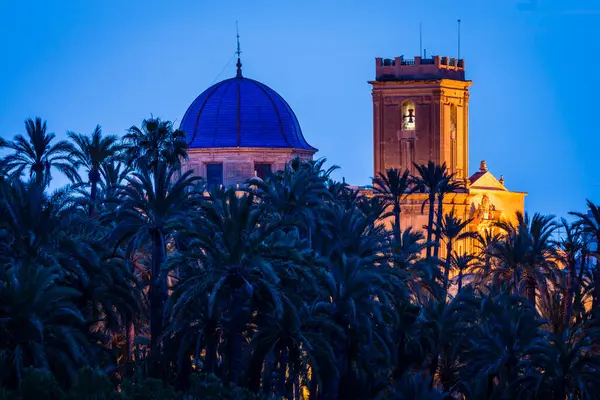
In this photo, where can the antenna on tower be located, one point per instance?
(238, 51)
(420, 39)
(459, 39)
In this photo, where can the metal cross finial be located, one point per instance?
(239, 62)
(237, 31)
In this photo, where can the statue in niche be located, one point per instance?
(486, 210)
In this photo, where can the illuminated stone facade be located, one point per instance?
(421, 113)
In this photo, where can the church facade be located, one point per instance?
(240, 128)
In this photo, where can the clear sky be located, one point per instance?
(533, 108)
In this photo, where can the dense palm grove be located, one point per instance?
(138, 282)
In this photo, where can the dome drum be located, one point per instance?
(234, 166)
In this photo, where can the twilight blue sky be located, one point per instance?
(533, 63)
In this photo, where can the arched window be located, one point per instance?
(408, 116)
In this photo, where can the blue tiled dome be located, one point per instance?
(241, 112)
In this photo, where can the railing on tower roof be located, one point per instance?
(436, 67)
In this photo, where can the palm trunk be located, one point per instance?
(129, 334)
(447, 268)
(584, 257)
(400, 367)
(267, 373)
(446, 374)
(460, 280)
(436, 249)
(297, 388)
(397, 229)
(347, 380)
(331, 387)
(512, 374)
(156, 295)
(596, 294)
(210, 360)
(236, 337)
(94, 176)
(293, 378)
(433, 367)
(430, 223)
(530, 286)
(313, 387)
(568, 306)
(93, 199)
(256, 366)
(282, 371)
(580, 279)
(39, 168)
(515, 281)
(560, 388)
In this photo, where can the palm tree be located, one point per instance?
(429, 180)
(150, 204)
(113, 176)
(571, 247)
(447, 185)
(228, 260)
(465, 264)
(503, 347)
(416, 386)
(591, 225)
(351, 288)
(93, 153)
(420, 277)
(295, 196)
(154, 142)
(570, 368)
(299, 345)
(40, 325)
(443, 325)
(35, 225)
(37, 154)
(486, 239)
(393, 187)
(450, 230)
(525, 251)
(543, 255)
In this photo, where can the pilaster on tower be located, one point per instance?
(420, 113)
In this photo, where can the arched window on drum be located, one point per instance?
(409, 117)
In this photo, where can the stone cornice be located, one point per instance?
(238, 150)
(422, 83)
(480, 190)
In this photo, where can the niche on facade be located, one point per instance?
(453, 119)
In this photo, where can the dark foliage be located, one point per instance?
(137, 283)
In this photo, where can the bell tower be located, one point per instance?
(421, 114)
